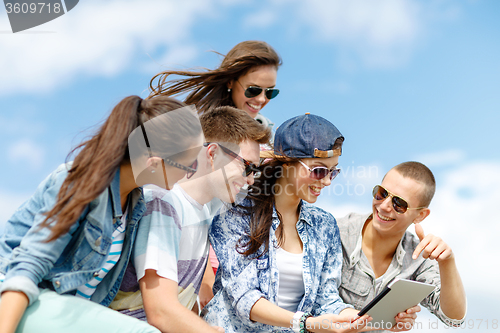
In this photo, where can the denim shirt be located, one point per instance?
(62, 265)
(243, 280)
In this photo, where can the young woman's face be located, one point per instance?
(261, 76)
(297, 183)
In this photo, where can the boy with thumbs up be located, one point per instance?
(378, 248)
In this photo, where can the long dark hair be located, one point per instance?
(208, 89)
(94, 167)
(262, 197)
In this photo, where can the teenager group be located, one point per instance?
(109, 242)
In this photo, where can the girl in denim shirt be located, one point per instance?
(280, 257)
(75, 235)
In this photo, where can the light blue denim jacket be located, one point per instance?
(241, 281)
(28, 262)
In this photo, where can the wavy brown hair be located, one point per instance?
(262, 196)
(94, 167)
(208, 89)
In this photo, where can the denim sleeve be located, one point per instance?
(239, 274)
(428, 272)
(32, 260)
(328, 298)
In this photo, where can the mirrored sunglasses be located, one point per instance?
(399, 204)
(321, 172)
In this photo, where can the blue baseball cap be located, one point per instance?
(306, 136)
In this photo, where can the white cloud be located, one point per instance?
(464, 214)
(380, 33)
(262, 19)
(442, 158)
(98, 39)
(28, 152)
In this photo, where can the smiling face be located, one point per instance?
(230, 179)
(261, 76)
(297, 184)
(385, 219)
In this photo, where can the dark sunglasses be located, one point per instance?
(254, 91)
(321, 172)
(190, 170)
(399, 204)
(249, 166)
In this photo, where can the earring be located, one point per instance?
(153, 171)
(228, 89)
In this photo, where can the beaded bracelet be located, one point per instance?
(302, 322)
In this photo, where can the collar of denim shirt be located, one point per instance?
(114, 189)
(303, 215)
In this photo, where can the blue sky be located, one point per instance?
(401, 79)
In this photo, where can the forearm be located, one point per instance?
(163, 309)
(205, 294)
(12, 307)
(177, 318)
(452, 296)
(268, 313)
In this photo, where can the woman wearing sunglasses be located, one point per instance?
(74, 236)
(280, 256)
(245, 79)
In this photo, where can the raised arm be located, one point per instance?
(452, 299)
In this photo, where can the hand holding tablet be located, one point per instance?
(398, 296)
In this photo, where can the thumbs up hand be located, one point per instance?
(431, 246)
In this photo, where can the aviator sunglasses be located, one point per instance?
(321, 172)
(190, 170)
(254, 91)
(399, 204)
(249, 167)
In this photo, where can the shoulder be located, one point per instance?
(264, 120)
(352, 222)
(160, 201)
(315, 214)
(320, 220)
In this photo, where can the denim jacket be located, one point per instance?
(243, 280)
(28, 262)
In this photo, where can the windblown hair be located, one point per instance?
(263, 198)
(228, 124)
(94, 167)
(208, 89)
(422, 174)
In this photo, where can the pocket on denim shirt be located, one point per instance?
(89, 250)
(355, 288)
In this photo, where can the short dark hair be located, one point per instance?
(229, 124)
(422, 174)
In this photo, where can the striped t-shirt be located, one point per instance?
(87, 290)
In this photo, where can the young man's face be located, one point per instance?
(386, 221)
(231, 178)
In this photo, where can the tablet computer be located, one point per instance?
(396, 297)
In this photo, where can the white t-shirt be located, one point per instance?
(291, 282)
(173, 240)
